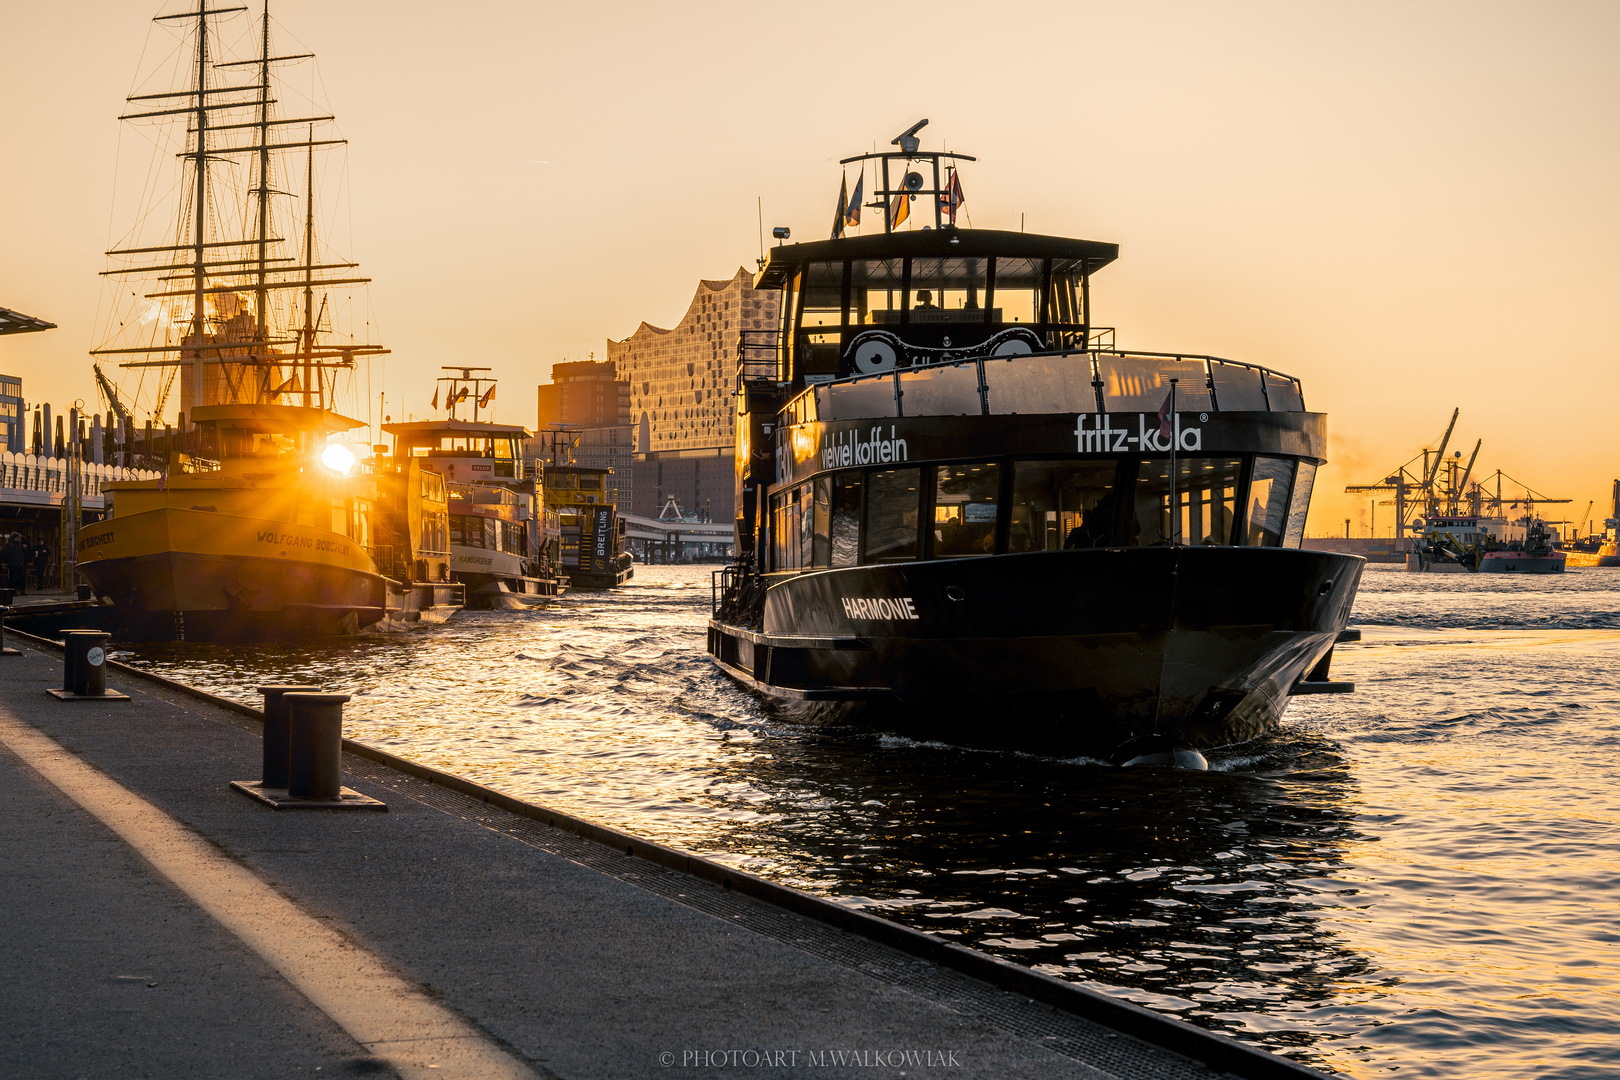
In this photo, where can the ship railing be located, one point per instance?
(1091, 381)
(737, 592)
(756, 353)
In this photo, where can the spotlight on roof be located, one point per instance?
(781, 232)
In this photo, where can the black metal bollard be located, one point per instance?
(87, 667)
(5, 609)
(277, 735)
(84, 591)
(7, 597)
(71, 657)
(315, 760)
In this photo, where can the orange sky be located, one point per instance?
(1410, 206)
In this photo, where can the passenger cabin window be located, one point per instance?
(1206, 497)
(965, 499)
(846, 519)
(893, 503)
(1062, 504)
(1268, 502)
(1301, 504)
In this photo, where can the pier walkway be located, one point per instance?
(159, 924)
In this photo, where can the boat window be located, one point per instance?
(512, 538)
(820, 333)
(1237, 388)
(466, 531)
(846, 518)
(1206, 494)
(947, 290)
(1141, 383)
(1268, 502)
(434, 535)
(820, 554)
(1283, 393)
(945, 390)
(862, 399)
(965, 498)
(1040, 384)
(1018, 286)
(1295, 536)
(1062, 504)
(893, 501)
(805, 516)
(875, 291)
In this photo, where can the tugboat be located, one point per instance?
(964, 514)
(503, 540)
(593, 550)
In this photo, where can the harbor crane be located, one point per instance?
(1444, 485)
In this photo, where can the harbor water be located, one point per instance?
(1417, 879)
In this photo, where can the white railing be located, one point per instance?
(49, 475)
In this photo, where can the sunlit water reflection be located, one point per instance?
(1419, 876)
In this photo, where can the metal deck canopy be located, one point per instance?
(15, 322)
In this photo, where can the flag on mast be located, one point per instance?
(435, 395)
(852, 212)
(952, 197)
(899, 210)
(843, 209)
(1164, 412)
(489, 395)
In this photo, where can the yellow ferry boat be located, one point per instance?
(282, 536)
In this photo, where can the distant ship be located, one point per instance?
(1472, 543)
(965, 514)
(505, 543)
(265, 525)
(593, 550)
(1601, 550)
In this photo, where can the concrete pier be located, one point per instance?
(160, 924)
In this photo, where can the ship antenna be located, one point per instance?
(761, 208)
(1175, 511)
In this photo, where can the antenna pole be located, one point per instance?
(1175, 511)
(198, 388)
(761, 208)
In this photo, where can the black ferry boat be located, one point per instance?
(964, 514)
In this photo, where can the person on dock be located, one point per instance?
(14, 557)
(42, 564)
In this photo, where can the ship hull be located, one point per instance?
(1518, 562)
(1085, 652)
(487, 592)
(195, 575)
(180, 596)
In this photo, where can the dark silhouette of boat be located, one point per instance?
(964, 514)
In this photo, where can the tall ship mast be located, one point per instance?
(236, 298)
(964, 512)
(266, 523)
